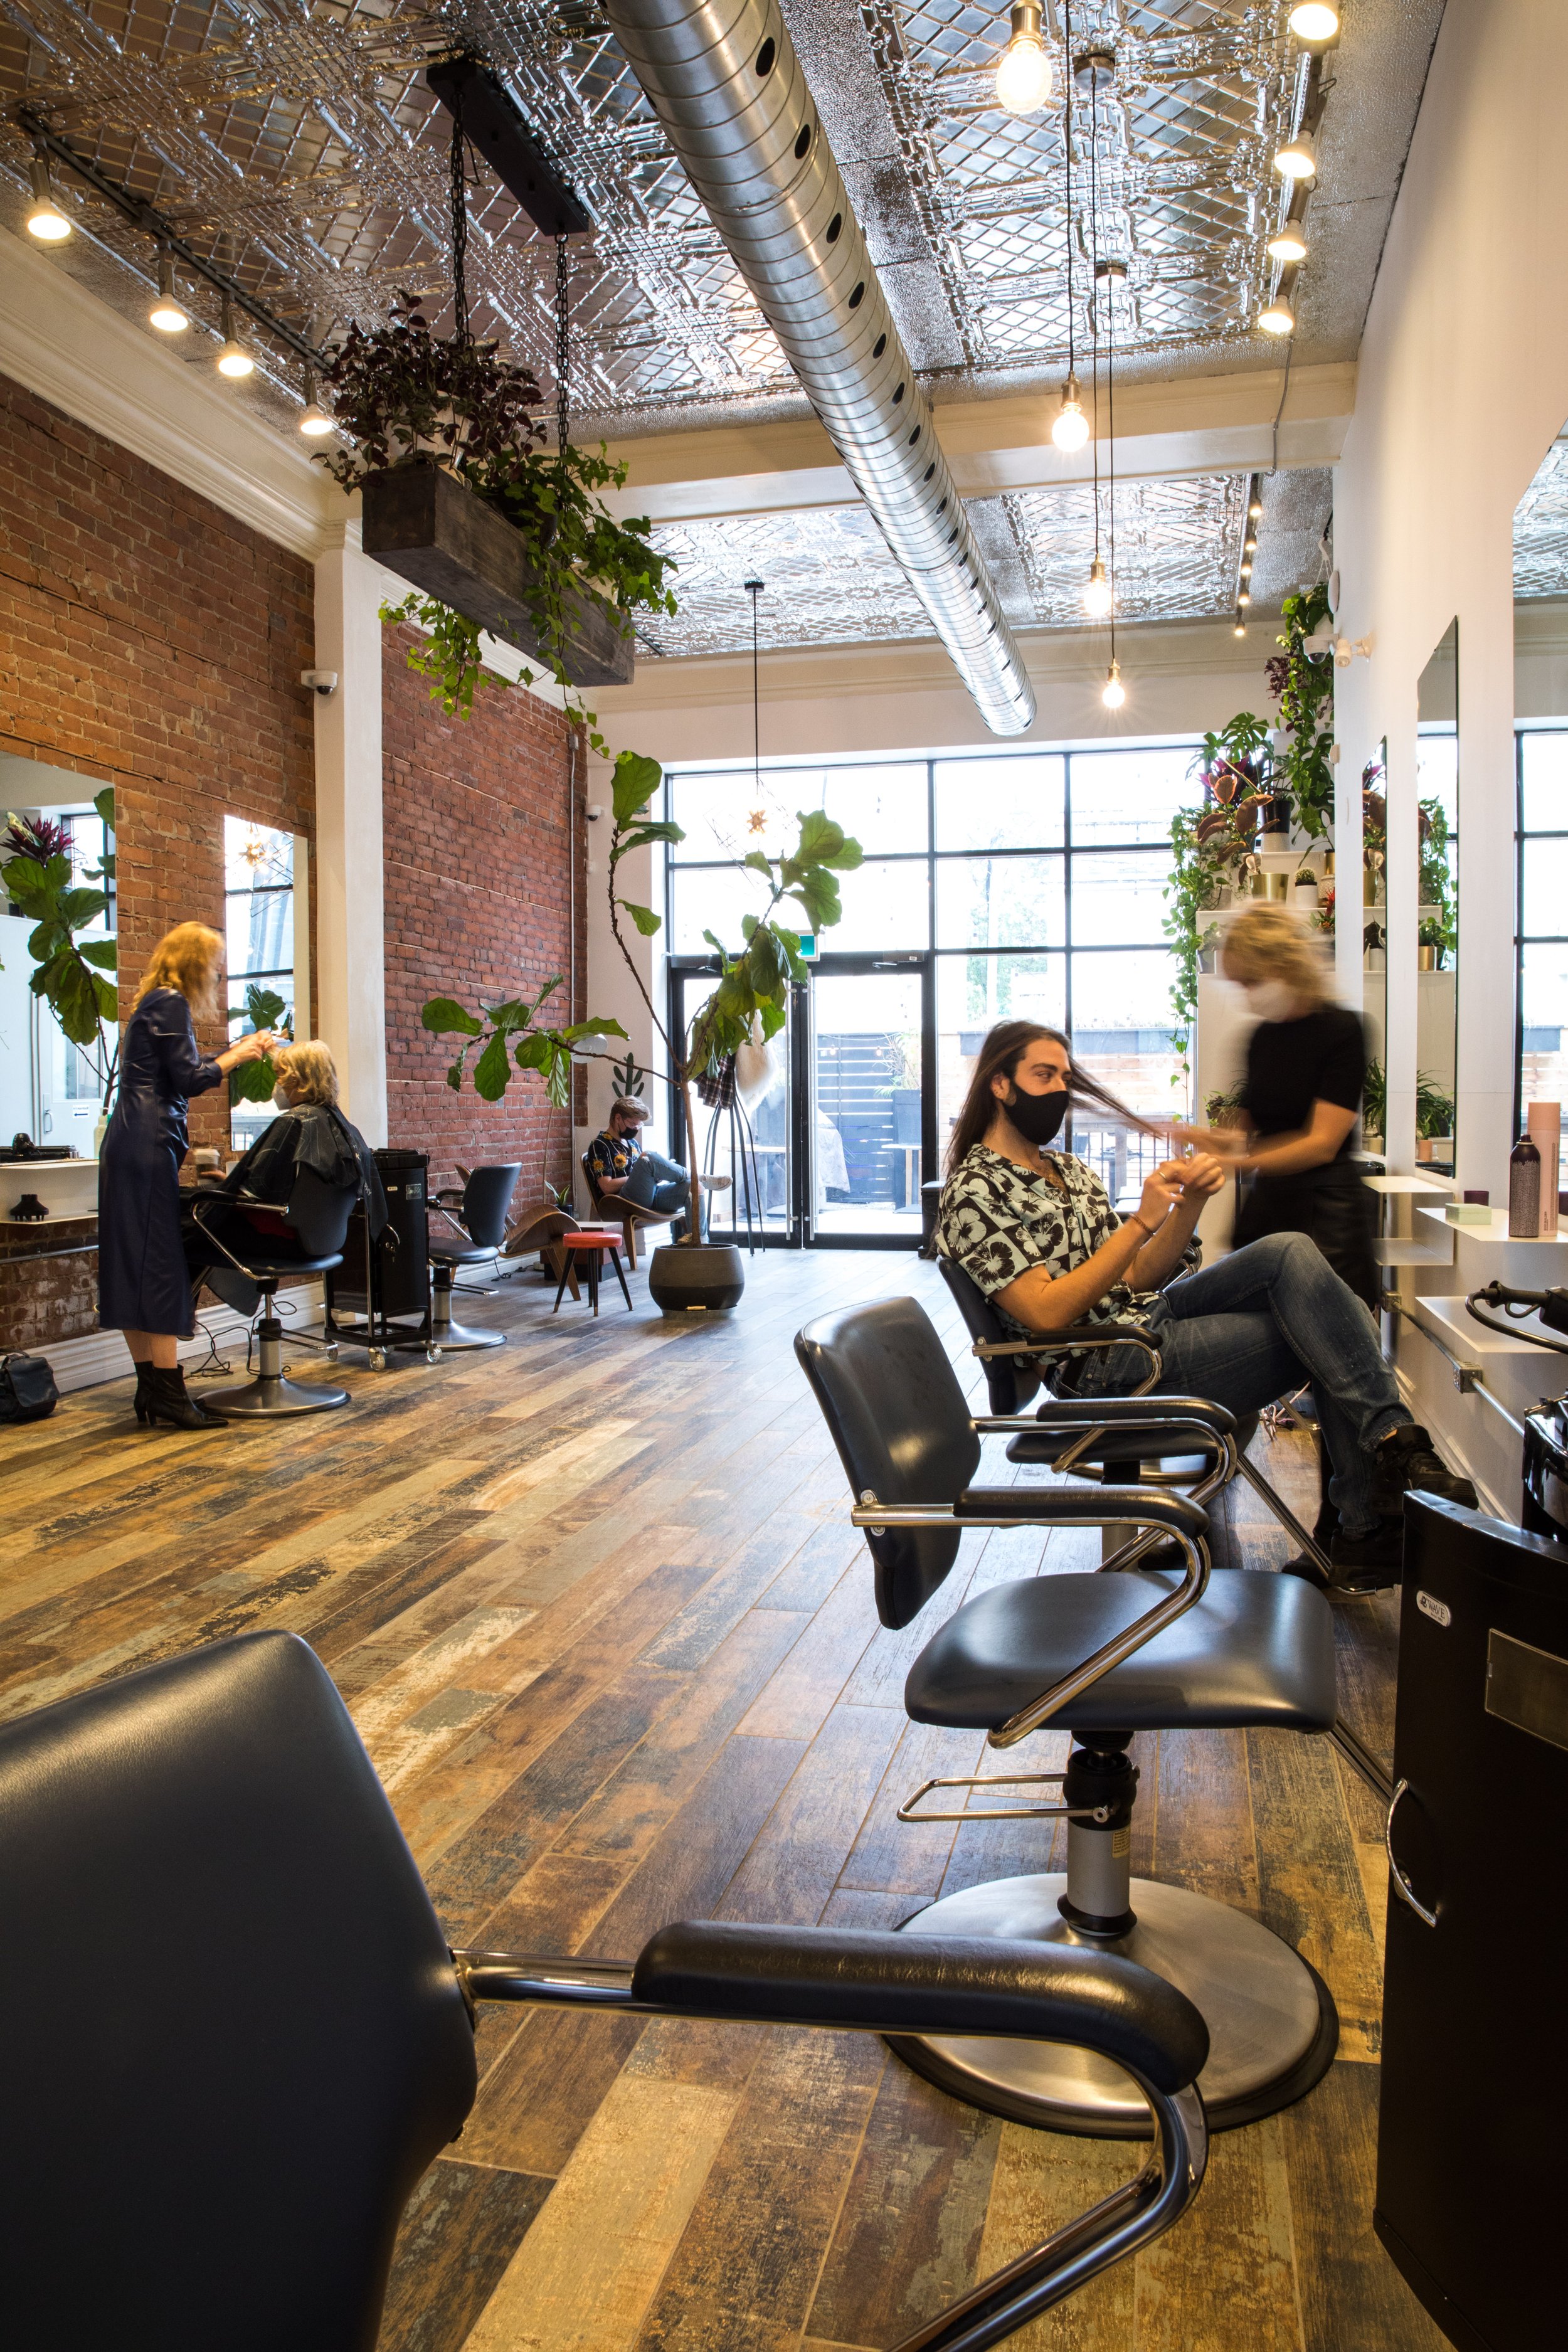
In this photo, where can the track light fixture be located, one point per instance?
(1254, 508)
(315, 423)
(1249, 544)
(1312, 21)
(1244, 598)
(1289, 242)
(1098, 598)
(233, 360)
(1113, 694)
(1240, 629)
(45, 219)
(1069, 429)
(1024, 69)
(1277, 318)
(168, 314)
(1297, 158)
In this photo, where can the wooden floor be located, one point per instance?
(593, 1604)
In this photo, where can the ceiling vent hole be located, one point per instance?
(858, 296)
(878, 347)
(834, 225)
(803, 144)
(898, 394)
(766, 56)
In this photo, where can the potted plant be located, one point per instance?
(512, 1033)
(1434, 1116)
(1373, 1106)
(72, 972)
(495, 533)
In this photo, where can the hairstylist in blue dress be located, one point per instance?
(144, 1289)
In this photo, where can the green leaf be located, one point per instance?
(823, 842)
(103, 802)
(819, 894)
(492, 1070)
(596, 1027)
(643, 835)
(758, 863)
(444, 1013)
(252, 1081)
(533, 1052)
(76, 909)
(69, 987)
(636, 779)
(646, 921)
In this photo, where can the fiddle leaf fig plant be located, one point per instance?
(72, 972)
(513, 1032)
(263, 1009)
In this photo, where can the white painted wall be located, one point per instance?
(351, 978)
(1462, 385)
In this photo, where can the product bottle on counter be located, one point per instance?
(1524, 1191)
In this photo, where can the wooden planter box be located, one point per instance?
(422, 523)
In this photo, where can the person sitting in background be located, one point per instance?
(618, 1163)
(309, 1133)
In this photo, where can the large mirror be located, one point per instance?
(1438, 909)
(1540, 722)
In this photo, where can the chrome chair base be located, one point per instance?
(272, 1395)
(453, 1336)
(1273, 2027)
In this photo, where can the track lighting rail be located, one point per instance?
(153, 224)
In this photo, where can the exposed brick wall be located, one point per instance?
(477, 908)
(150, 638)
(46, 1298)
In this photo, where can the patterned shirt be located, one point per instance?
(612, 1155)
(998, 1218)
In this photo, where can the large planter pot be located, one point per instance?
(429, 528)
(906, 1114)
(681, 1278)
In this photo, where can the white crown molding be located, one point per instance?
(58, 340)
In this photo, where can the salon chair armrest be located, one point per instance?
(1119, 1413)
(1051, 1507)
(1073, 1335)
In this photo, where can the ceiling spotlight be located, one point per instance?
(234, 359)
(1113, 694)
(1314, 20)
(1255, 509)
(1277, 318)
(1249, 544)
(1024, 69)
(1247, 571)
(1298, 159)
(167, 314)
(1069, 427)
(1244, 598)
(1289, 242)
(1097, 592)
(315, 423)
(1240, 629)
(45, 219)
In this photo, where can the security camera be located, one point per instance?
(594, 812)
(325, 681)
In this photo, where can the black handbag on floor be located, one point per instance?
(27, 1391)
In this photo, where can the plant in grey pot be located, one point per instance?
(752, 987)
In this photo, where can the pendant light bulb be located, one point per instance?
(1097, 592)
(1297, 158)
(315, 423)
(168, 314)
(1244, 598)
(1289, 242)
(233, 360)
(1240, 629)
(1277, 318)
(45, 219)
(1113, 694)
(1314, 20)
(1255, 510)
(1024, 69)
(1249, 544)
(1069, 429)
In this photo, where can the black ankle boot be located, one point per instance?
(139, 1403)
(167, 1401)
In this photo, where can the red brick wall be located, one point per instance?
(148, 638)
(476, 823)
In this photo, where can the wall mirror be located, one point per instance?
(50, 1091)
(1437, 903)
(1375, 948)
(1540, 747)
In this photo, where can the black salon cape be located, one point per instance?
(142, 1284)
(312, 1135)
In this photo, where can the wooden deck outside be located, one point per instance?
(593, 1604)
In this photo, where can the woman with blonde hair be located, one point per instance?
(144, 1289)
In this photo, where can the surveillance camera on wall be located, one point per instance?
(594, 812)
(325, 681)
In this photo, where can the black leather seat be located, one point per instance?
(477, 1214)
(319, 1213)
(1101, 1655)
(232, 2036)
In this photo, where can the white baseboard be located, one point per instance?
(97, 1356)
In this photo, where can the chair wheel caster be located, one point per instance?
(432, 1355)
(330, 1349)
(378, 1359)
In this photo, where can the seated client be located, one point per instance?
(1035, 1230)
(618, 1163)
(311, 1133)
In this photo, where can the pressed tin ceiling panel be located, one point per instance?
(1541, 529)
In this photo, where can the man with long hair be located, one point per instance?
(1035, 1229)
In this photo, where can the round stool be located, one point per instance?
(591, 1246)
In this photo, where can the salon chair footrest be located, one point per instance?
(273, 1396)
(1273, 2027)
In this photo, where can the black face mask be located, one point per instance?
(1038, 1118)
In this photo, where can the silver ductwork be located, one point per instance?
(729, 89)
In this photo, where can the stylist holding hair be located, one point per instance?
(1305, 1065)
(143, 1286)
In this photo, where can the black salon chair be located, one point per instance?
(318, 1213)
(232, 2036)
(478, 1214)
(1101, 1656)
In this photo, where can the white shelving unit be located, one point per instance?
(67, 1189)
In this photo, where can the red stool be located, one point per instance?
(591, 1246)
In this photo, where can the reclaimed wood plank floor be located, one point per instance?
(593, 1602)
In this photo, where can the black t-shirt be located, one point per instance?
(1291, 1065)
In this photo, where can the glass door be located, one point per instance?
(867, 1112)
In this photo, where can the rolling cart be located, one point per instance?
(379, 1298)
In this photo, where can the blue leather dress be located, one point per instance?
(142, 1285)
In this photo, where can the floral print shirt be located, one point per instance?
(997, 1219)
(612, 1155)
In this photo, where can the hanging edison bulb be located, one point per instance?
(1024, 69)
(1113, 694)
(1069, 427)
(1097, 592)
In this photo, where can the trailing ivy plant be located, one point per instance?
(513, 1032)
(73, 974)
(1303, 684)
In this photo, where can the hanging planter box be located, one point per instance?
(422, 523)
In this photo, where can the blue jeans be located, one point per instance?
(1257, 1326)
(656, 1182)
